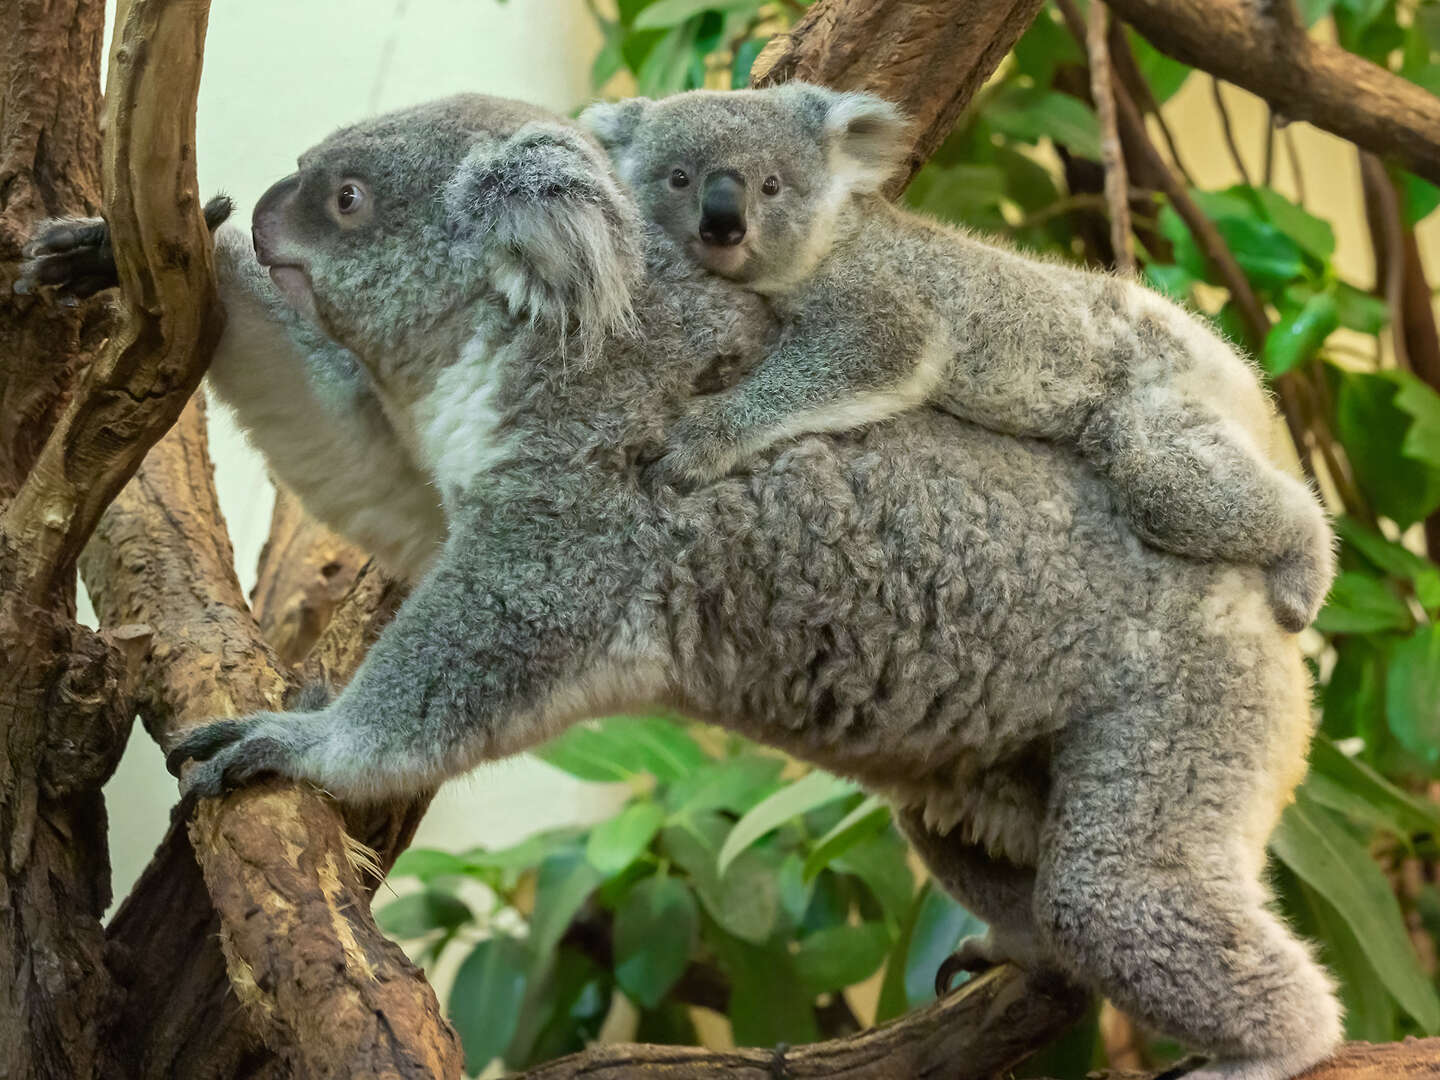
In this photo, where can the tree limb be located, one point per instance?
(323, 987)
(1261, 48)
(927, 58)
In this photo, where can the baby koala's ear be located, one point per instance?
(868, 137)
(558, 237)
(614, 123)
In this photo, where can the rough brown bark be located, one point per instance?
(928, 58)
(320, 985)
(1260, 47)
(305, 571)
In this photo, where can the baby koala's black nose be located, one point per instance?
(722, 209)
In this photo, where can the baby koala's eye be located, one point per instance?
(770, 185)
(679, 178)
(349, 198)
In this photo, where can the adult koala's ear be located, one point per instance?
(868, 137)
(614, 123)
(556, 233)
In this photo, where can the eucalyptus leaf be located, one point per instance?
(564, 883)
(745, 899)
(655, 932)
(1341, 870)
(1032, 113)
(1403, 813)
(419, 913)
(841, 956)
(768, 1003)
(1412, 693)
(1374, 429)
(811, 790)
(1361, 604)
(486, 997)
(615, 844)
(667, 13)
(1299, 333)
(865, 821)
(425, 864)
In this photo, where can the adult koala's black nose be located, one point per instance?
(722, 209)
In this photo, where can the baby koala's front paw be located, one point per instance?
(696, 452)
(230, 753)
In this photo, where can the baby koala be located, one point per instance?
(882, 309)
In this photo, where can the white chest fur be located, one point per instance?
(454, 421)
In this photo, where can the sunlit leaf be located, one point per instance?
(623, 747)
(1360, 604)
(1400, 811)
(867, 819)
(616, 843)
(745, 899)
(418, 913)
(667, 13)
(1031, 113)
(1164, 74)
(811, 790)
(1361, 311)
(1392, 558)
(1299, 333)
(425, 864)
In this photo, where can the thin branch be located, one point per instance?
(1269, 152)
(1229, 131)
(1117, 184)
(1388, 241)
(1256, 46)
(1122, 58)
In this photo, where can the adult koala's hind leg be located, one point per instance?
(1148, 890)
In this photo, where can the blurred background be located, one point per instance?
(645, 878)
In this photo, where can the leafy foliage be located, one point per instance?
(778, 893)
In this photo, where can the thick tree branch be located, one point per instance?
(927, 58)
(987, 1026)
(326, 991)
(1260, 47)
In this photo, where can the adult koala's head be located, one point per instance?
(391, 230)
(750, 181)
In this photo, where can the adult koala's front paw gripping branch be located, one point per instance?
(473, 348)
(881, 309)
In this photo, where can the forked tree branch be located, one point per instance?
(322, 986)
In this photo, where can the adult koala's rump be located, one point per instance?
(1089, 740)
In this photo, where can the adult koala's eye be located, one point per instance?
(349, 198)
(770, 185)
(679, 178)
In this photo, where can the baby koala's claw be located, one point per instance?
(695, 454)
(974, 955)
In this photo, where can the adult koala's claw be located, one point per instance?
(74, 255)
(230, 753)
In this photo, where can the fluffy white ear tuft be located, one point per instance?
(558, 236)
(869, 135)
(614, 123)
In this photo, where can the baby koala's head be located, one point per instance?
(750, 182)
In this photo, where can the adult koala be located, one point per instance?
(1088, 739)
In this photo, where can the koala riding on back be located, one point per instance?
(881, 309)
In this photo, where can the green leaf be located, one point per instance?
(881, 864)
(1360, 604)
(867, 819)
(530, 852)
(425, 864)
(666, 67)
(893, 999)
(485, 999)
(1418, 198)
(616, 843)
(1043, 47)
(841, 956)
(564, 883)
(745, 900)
(1361, 311)
(1412, 693)
(1314, 235)
(1031, 113)
(1174, 281)
(1394, 559)
(1341, 870)
(1373, 429)
(624, 747)
(745, 56)
(1422, 404)
(419, 913)
(811, 790)
(654, 933)
(1164, 75)
(768, 1003)
(1312, 11)
(667, 13)
(1354, 696)
(1299, 334)
(1268, 257)
(939, 927)
(1393, 807)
